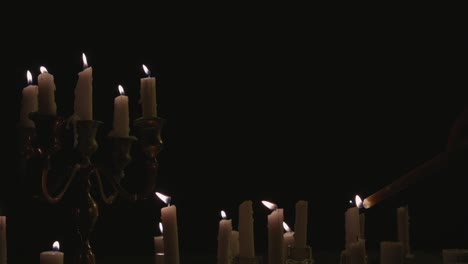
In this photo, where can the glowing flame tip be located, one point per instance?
(358, 201)
(121, 90)
(85, 61)
(29, 77)
(269, 205)
(146, 70)
(286, 227)
(223, 214)
(56, 246)
(164, 198)
(161, 227)
(43, 69)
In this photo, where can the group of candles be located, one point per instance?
(232, 243)
(41, 98)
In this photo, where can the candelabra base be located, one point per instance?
(297, 255)
(245, 260)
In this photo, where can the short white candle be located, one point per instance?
(391, 252)
(46, 93)
(84, 92)
(403, 229)
(300, 226)
(171, 236)
(148, 95)
(275, 234)
(3, 240)
(234, 243)
(224, 237)
(288, 238)
(121, 127)
(28, 102)
(52, 257)
(246, 231)
(159, 246)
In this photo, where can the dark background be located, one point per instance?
(258, 106)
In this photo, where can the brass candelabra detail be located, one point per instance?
(45, 141)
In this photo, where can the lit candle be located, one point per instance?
(46, 93)
(84, 92)
(171, 237)
(234, 243)
(159, 246)
(403, 229)
(224, 236)
(362, 218)
(352, 225)
(148, 94)
(52, 257)
(391, 252)
(246, 232)
(3, 240)
(121, 115)
(288, 238)
(28, 102)
(300, 226)
(275, 234)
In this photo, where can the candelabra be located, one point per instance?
(45, 141)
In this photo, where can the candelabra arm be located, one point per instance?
(107, 199)
(45, 190)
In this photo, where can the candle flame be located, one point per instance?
(146, 70)
(85, 61)
(358, 201)
(43, 69)
(223, 214)
(269, 205)
(161, 227)
(56, 246)
(121, 90)
(164, 198)
(286, 227)
(29, 77)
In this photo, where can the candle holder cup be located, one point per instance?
(44, 142)
(296, 255)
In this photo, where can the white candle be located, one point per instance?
(3, 240)
(84, 92)
(224, 237)
(52, 257)
(288, 238)
(28, 102)
(391, 252)
(121, 127)
(352, 225)
(46, 93)
(275, 234)
(300, 226)
(159, 246)
(171, 236)
(362, 218)
(356, 253)
(246, 232)
(148, 95)
(403, 229)
(234, 243)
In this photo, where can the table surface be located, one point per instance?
(325, 257)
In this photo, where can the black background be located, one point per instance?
(259, 106)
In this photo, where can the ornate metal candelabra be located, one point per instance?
(45, 141)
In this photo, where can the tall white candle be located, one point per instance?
(28, 102)
(121, 127)
(84, 92)
(391, 252)
(246, 231)
(403, 229)
(224, 237)
(288, 238)
(159, 246)
(352, 225)
(46, 93)
(234, 243)
(300, 226)
(275, 234)
(171, 236)
(52, 257)
(148, 95)
(3, 240)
